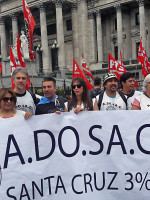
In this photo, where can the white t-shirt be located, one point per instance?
(19, 113)
(144, 102)
(112, 103)
(25, 102)
(130, 99)
(82, 105)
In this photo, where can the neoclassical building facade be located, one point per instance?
(67, 28)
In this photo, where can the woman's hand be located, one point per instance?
(27, 115)
(77, 110)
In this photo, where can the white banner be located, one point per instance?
(97, 155)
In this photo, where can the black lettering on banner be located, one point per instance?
(49, 183)
(111, 143)
(40, 191)
(95, 182)
(36, 133)
(96, 140)
(60, 141)
(138, 139)
(12, 139)
(60, 181)
(26, 194)
(9, 195)
(109, 186)
(72, 183)
(129, 181)
(87, 182)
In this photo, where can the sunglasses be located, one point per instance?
(6, 99)
(78, 86)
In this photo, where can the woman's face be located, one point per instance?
(7, 103)
(77, 88)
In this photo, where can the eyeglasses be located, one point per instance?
(78, 86)
(6, 99)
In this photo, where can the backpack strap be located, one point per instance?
(124, 99)
(100, 98)
(33, 97)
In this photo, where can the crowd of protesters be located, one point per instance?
(22, 103)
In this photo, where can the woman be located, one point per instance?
(142, 102)
(80, 97)
(7, 105)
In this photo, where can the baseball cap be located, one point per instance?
(109, 76)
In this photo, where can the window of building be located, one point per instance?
(115, 23)
(116, 52)
(137, 48)
(51, 29)
(68, 25)
(37, 31)
(137, 19)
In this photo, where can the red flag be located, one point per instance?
(19, 53)
(1, 68)
(29, 20)
(136, 84)
(142, 58)
(115, 67)
(77, 72)
(13, 65)
(86, 68)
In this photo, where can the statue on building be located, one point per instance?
(14, 49)
(24, 45)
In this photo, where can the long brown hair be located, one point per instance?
(87, 101)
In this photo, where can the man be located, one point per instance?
(127, 81)
(50, 103)
(25, 100)
(97, 88)
(110, 99)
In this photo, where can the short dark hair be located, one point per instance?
(19, 69)
(49, 79)
(97, 81)
(125, 76)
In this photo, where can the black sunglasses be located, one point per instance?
(6, 99)
(78, 86)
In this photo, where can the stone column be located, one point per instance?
(14, 27)
(3, 39)
(142, 22)
(92, 38)
(75, 33)
(83, 29)
(99, 36)
(119, 29)
(60, 35)
(47, 66)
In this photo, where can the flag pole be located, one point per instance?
(33, 85)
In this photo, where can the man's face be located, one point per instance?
(111, 85)
(129, 84)
(20, 81)
(49, 89)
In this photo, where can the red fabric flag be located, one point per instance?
(142, 58)
(115, 67)
(77, 72)
(136, 84)
(86, 68)
(21, 60)
(13, 65)
(30, 23)
(1, 68)
(19, 53)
